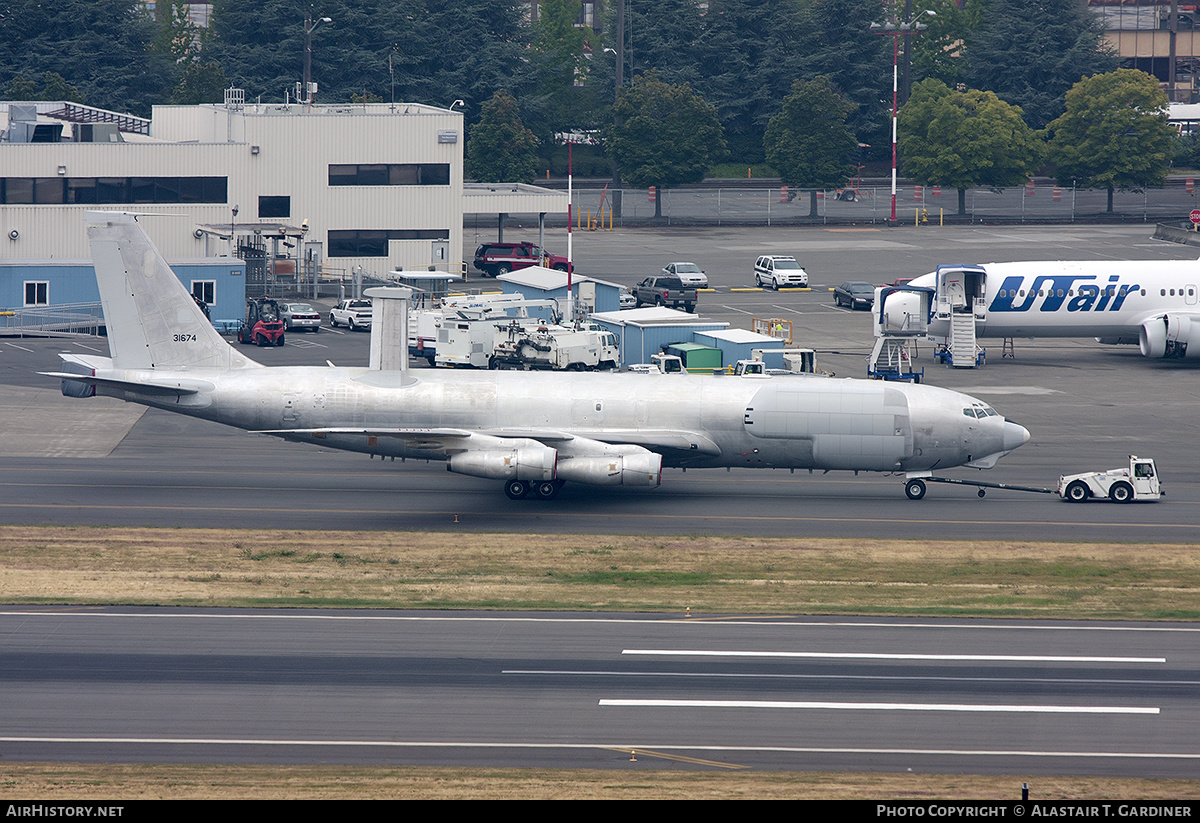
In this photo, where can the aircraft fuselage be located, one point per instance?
(705, 421)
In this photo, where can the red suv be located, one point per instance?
(501, 258)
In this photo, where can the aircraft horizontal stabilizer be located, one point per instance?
(137, 387)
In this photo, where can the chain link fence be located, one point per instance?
(779, 205)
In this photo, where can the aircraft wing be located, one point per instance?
(453, 440)
(655, 439)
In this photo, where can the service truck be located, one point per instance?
(526, 346)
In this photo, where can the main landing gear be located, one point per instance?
(520, 489)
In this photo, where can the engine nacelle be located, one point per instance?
(77, 388)
(643, 468)
(901, 311)
(1167, 336)
(536, 463)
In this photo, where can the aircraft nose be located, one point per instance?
(1014, 436)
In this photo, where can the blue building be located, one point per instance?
(644, 332)
(540, 283)
(37, 284)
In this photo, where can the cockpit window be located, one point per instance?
(980, 412)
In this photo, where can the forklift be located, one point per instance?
(263, 324)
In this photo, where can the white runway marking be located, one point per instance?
(883, 678)
(1006, 658)
(886, 707)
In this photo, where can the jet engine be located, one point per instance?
(901, 311)
(1167, 336)
(77, 388)
(536, 463)
(641, 468)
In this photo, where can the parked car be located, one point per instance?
(665, 291)
(353, 313)
(778, 271)
(689, 273)
(501, 258)
(626, 300)
(856, 294)
(300, 316)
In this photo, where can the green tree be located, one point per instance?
(201, 82)
(178, 37)
(101, 48)
(730, 57)
(53, 87)
(1029, 52)
(666, 135)
(558, 96)
(426, 51)
(964, 139)
(500, 148)
(938, 52)
(478, 47)
(857, 62)
(809, 143)
(1114, 133)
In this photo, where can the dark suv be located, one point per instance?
(501, 258)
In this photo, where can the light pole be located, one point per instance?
(896, 30)
(309, 26)
(233, 231)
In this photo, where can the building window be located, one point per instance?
(374, 242)
(205, 291)
(37, 292)
(274, 207)
(113, 190)
(389, 174)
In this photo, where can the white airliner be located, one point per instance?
(532, 430)
(1150, 303)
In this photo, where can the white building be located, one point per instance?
(376, 186)
(306, 195)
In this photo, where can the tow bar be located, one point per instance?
(915, 487)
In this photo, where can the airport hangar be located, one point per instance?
(324, 194)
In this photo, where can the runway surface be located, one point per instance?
(581, 690)
(566, 690)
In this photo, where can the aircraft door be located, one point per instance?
(1189, 294)
(962, 290)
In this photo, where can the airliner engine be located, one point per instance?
(1168, 336)
(533, 462)
(641, 468)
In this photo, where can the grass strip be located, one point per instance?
(645, 779)
(709, 575)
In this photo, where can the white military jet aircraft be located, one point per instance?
(532, 430)
(1149, 303)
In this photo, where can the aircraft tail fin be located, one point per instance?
(152, 320)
